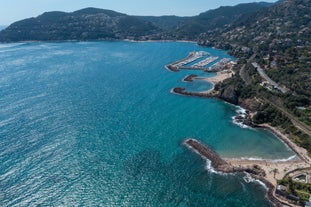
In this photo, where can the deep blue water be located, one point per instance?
(95, 124)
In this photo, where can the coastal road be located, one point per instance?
(267, 78)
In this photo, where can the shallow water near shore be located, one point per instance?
(95, 124)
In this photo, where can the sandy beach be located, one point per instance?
(219, 77)
(269, 167)
(301, 159)
(277, 169)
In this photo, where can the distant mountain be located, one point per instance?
(85, 24)
(286, 19)
(95, 24)
(165, 23)
(216, 18)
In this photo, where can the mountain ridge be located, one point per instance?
(95, 24)
(84, 24)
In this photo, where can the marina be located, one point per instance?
(205, 62)
(184, 64)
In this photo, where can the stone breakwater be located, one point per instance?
(182, 91)
(220, 165)
(217, 163)
(189, 78)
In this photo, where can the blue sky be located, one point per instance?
(13, 10)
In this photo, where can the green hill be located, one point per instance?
(97, 24)
(85, 24)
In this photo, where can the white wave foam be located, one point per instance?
(241, 112)
(10, 45)
(249, 179)
(286, 159)
(209, 168)
(240, 124)
(208, 165)
(252, 158)
(261, 183)
(270, 160)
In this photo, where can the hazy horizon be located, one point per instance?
(10, 13)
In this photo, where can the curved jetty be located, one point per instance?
(190, 78)
(182, 91)
(222, 166)
(217, 163)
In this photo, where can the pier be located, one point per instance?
(183, 64)
(205, 62)
(193, 56)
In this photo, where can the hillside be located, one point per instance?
(278, 39)
(85, 24)
(216, 18)
(280, 36)
(166, 23)
(97, 24)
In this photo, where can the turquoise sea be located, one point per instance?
(95, 124)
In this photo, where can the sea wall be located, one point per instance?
(183, 91)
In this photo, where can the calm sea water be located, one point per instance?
(95, 124)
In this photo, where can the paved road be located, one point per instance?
(267, 78)
(303, 127)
